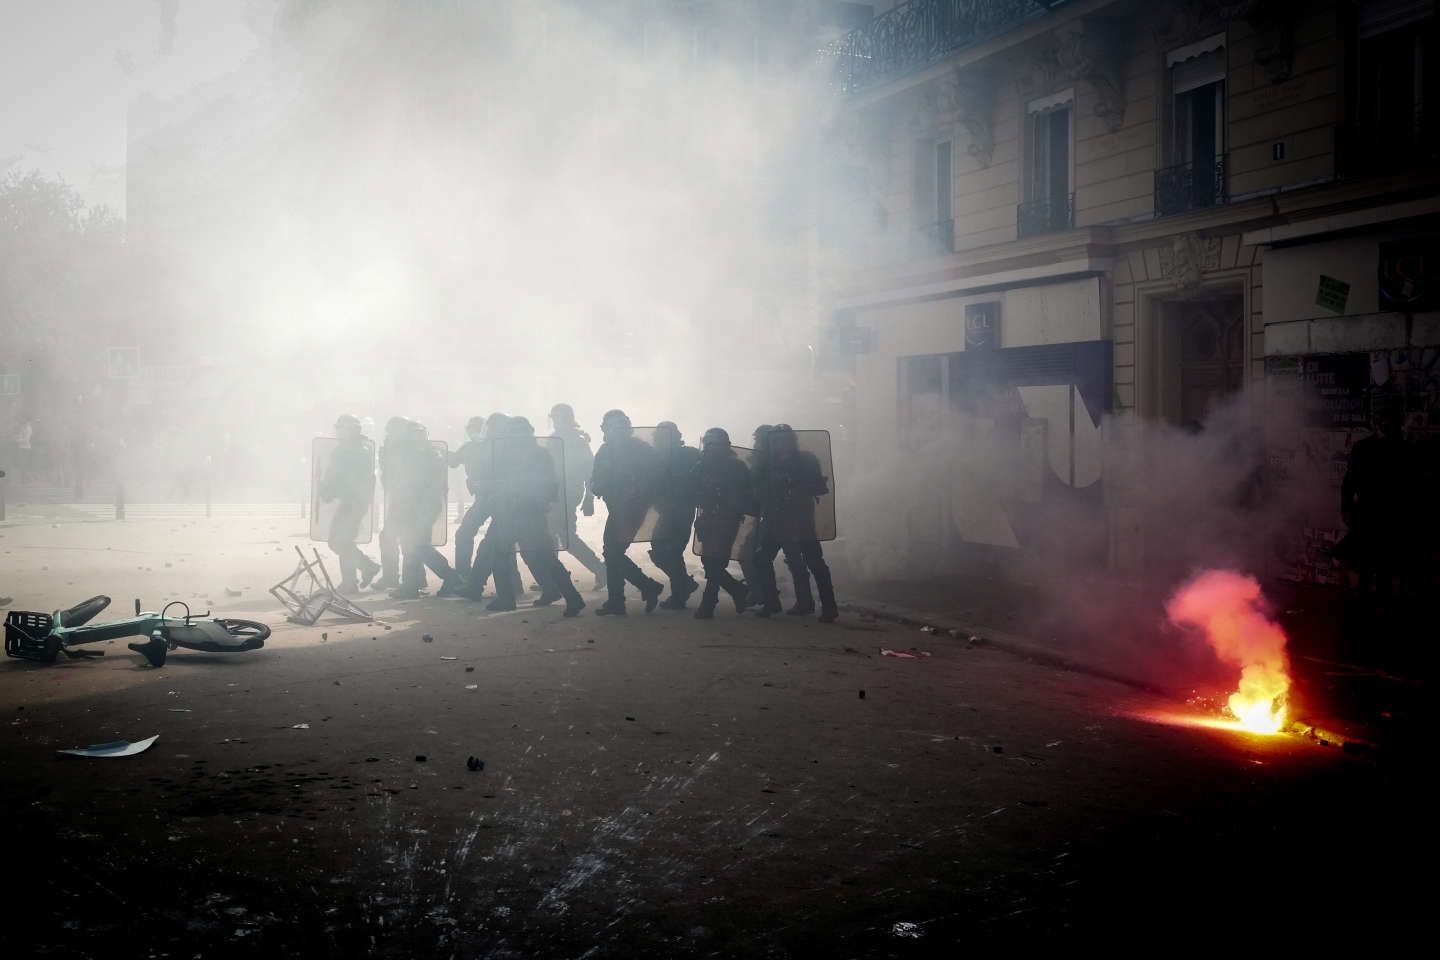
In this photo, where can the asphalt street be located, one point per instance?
(652, 786)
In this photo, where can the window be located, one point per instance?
(934, 197)
(1049, 205)
(1195, 174)
(1395, 43)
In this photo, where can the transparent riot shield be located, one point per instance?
(795, 488)
(342, 490)
(816, 443)
(745, 538)
(524, 483)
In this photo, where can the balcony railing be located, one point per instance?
(921, 32)
(1049, 215)
(1190, 186)
(936, 238)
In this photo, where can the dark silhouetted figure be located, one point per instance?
(675, 512)
(579, 462)
(396, 429)
(525, 487)
(473, 456)
(722, 486)
(757, 563)
(496, 554)
(418, 501)
(624, 477)
(1374, 498)
(789, 490)
(349, 482)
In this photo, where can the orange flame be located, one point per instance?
(1229, 608)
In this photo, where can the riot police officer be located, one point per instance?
(349, 478)
(526, 486)
(473, 456)
(757, 560)
(722, 483)
(390, 456)
(624, 477)
(675, 512)
(790, 488)
(579, 462)
(418, 501)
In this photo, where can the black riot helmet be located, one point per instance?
(781, 440)
(347, 426)
(715, 439)
(394, 427)
(563, 416)
(497, 425)
(667, 435)
(616, 424)
(520, 427)
(474, 427)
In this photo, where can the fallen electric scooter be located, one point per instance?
(44, 636)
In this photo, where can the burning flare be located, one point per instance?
(1229, 608)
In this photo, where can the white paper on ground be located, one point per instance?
(116, 748)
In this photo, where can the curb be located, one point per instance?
(1009, 643)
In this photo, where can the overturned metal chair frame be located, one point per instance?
(309, 593)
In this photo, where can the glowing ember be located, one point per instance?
(1229, 608)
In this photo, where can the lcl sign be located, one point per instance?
(1408, 275)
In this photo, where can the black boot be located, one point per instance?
(825, 586)
(611, 608)
(740, 593)
(708, 600)
(804, 600)
(651, 595)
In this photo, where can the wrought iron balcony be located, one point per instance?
(1050, 215)
(921, 32)
(1190, 186)
(936, 238)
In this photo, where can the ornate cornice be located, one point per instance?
(1092, 51)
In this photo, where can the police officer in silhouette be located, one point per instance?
(349, 481)
(724, 495)
(675, 512)
(789, 490)
(579, 462)
(526, 488)
(624, 477)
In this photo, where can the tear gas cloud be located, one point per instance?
(446, 209)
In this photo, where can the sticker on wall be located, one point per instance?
(1333, 294)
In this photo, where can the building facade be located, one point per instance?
(1077, 215)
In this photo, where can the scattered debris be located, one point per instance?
(911, 654)
(927, 629)
(115, 748)
(996, 748)
(449, 658)
(631, 719)
(300, 726)
(469, 669)
(180, 710)
(472, 686)
(862, 694)
(474, 764)
(428, 639)
(420, 758)
(907, 931)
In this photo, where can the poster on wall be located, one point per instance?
(1410, 275)
(1331, 387)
